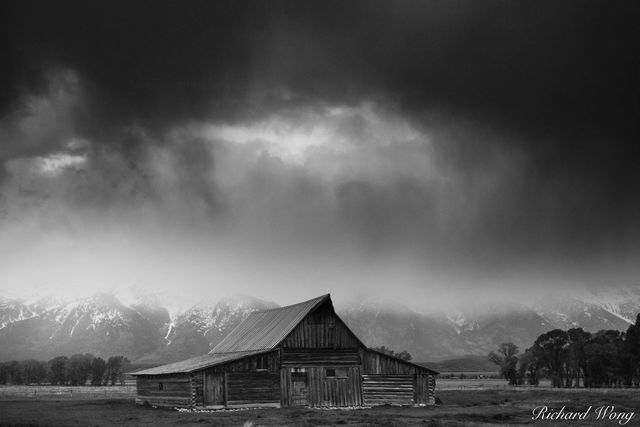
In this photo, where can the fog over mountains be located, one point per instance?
(144, 330)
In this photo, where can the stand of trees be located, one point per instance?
(62, 370)
(404, 354)
(575, 358)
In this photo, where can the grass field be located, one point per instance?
(459, 408)
(66, 392)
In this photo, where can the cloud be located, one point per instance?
(442, 142)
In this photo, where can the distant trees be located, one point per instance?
(506, 358)
(98, 369)
(607, 358)
(116, 367)
(404, 354)
(79, 368)
(62, 370)
(58, 370)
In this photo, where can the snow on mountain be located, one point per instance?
(140, 326)
(12, 311)
(622, 303)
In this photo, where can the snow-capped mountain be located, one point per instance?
(143, 330)
(12, 311)
(100, 324)
(202, 326)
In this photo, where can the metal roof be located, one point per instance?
(197, 363)
(264, 330)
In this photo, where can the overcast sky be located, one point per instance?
(427, 150)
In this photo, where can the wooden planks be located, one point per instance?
(252, 387)
(320, 390)
(214, 389)
(300, 357)
(388, 389)
(378, 363)
(269, 362)
(321, 329)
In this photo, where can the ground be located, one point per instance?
(459, 408)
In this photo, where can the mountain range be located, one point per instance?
(146, 332)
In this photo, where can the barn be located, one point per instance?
(299, 355)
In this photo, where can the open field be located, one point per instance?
(482, 384)
(459, 408)
(66, 392)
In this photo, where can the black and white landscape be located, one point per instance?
(456, 174)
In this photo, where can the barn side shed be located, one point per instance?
(299, 355)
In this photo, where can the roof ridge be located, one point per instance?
(291, 305)
(266, 329)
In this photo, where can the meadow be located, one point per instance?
(468, 407)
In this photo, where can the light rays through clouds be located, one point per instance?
(325, 195)
(429, 151)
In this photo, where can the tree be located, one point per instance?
(11, 372)
(79, 368)
(98, 369)
(58, 370)
(34, 371)
(404, 354)
(551, 350)
(527, 368)
(116, 367)
(603, 361)
(632, 350)
(577, 361)
(507, 360)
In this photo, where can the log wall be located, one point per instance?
(164, 390)
(377, 364)
(197, 389)
(388, 389)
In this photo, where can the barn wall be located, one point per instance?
(424, 389)
(345, 389)
(252, 388)
(321, 329)
(378, 363)
(389, 380)
(292, 357)
(388, 389)
(266, 362)
(197, 389)
(164, 390)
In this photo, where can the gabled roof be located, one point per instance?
(264, 330)
(197, 363)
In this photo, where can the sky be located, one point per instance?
(430, 151)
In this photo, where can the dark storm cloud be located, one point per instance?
(525, 115)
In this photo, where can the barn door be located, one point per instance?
(299, 389)
(214, 389)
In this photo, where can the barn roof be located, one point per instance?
(406, 362)
(263, 330)
(197, 363)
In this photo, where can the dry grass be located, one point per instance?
(459, 408)
(66, 392)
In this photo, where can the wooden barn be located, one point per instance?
(299, 355)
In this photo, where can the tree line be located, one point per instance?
(404, 354)
(575, 358)
(62, 370)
